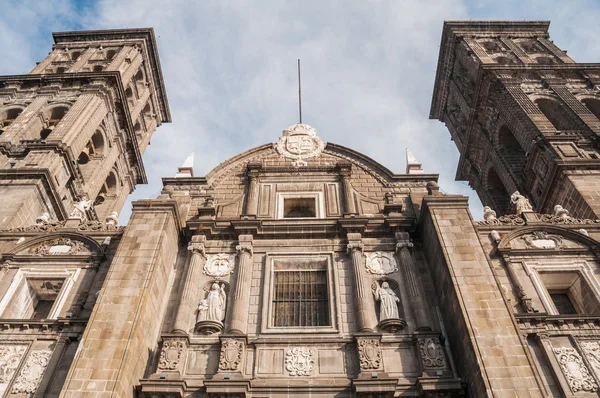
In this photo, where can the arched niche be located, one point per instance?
(511, 151)
(52, 117)
(93, 149)
(107, 196)
(556, 113)
(8, 116)
(593, 104)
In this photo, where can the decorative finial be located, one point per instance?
(561, 212)
(187, 168)
(412, 164)
(489, 214)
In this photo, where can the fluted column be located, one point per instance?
(345, 170)
(191, 287)
(57, 353)
(365, 305)
(416, 297)
(252, 202)
(241, 294)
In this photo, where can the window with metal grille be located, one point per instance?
(300, 298)
(563, 303)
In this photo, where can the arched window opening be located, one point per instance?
(555, 113)
(8, 117)
(491, 46)
(61, 69)
(530, 46)
(506, 61)
(129, 95)
(593, 105)
(97, 68)
(110, 54)
(511, 151)
(137, 128)
(93, 148)
(52, 118)
(75, 55)
(109, 189)
(497, 193)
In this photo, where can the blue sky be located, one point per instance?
(368, 69)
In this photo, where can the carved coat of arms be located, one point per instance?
(299, 142)
(299, 361)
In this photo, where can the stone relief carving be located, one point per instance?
(432, 353)
(520, 203)
(299, 142)
(10, 358)
(575, 371)
(231, 354)
(53, 226)
(59, 246)
(509, 219)
(299, 361)
(80, 208)
(553, 219)
(170, 356)
(381, 263)
(542, 240)
(369, 354)
(591, 350)
(219, 265)
(32, 373)
(518, 220)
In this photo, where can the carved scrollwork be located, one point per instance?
(432, 353)
(32, 372)
(50, 226)
(59, 246)
(170, 355)
(10, 358)
(542, 240)
(369, 354)
(591, 349)
(577, 374)
(381, 263)
(299, 361)
(231, 354)
(553, 219)
(509, 219)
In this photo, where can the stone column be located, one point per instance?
(365, 305)
(60, 346)
(345, 170)
(241, 295)
(416, 298)
(252, 202)
(189, 296)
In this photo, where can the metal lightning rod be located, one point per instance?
(299, 94)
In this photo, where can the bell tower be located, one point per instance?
(73, 130)
(523, 115)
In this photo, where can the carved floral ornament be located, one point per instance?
(369, 354)
(299, 361)
(591, 350)
(381, 263)
(577, 374)
(432, 353)
(10, 358)
(170, 355)
(231, 354)
(32, 372)
(219, 265)
(299, 142)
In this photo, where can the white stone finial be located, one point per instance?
(112, 218)
(43, 219)
(489, 214)
(413, 166)
(561, 212)
(187, 168)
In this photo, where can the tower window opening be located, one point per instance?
(8, 117)
(497, 193)
(97, 68)
(75, 55)
(545, 60)
(299, 208)
(93, 148)
(593, 105)
(110, 54)
(555, 113)
(108, 188)
(53, 118)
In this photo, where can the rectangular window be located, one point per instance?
(563, 303)
(299, 208)
(300, 298)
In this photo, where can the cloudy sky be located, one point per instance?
(368, 69)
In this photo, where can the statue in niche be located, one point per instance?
(211, 310)
(389, 315)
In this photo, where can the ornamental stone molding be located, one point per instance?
(574, 370)
(591, 349)
(170, 355)
(432, 353)
(232, 352)
(219, 265)
(381, 263)
(59, 246)
(542, 240)
(54, 226)
(299, 361)
(369, 354)
(10, 358)
(32, 372)
(299, 142)
(519, 220)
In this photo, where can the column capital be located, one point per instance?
(404, 244)
(244, 247)
(355, 246)
(196, 247)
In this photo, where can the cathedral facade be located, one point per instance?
(301, 268)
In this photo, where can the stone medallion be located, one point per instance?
(299, 361)
(219, 265)
(299, 142)
(381, 263)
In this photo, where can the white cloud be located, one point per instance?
(230, 70)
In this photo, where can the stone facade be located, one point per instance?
(300, 268)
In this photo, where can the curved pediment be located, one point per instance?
(66, 244)
(545, 238)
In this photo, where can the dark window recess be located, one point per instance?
(299, 208)
(42, 309)
(300, 298)
(563, 304)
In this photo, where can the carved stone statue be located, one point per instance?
(80, 208)
(520, 202)
(561, 212)
(389, 300)
(211, 310)
(489, 214)
(43, 219)
(113, 218)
